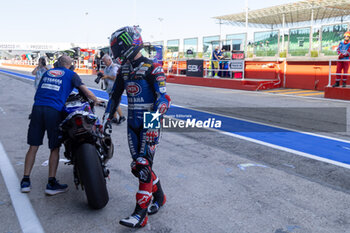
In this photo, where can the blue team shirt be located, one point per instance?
(217, 53)
(55, 86)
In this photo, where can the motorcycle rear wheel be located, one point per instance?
(91, 176)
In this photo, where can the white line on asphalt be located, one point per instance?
(243, 166)
(27, 218)
(310, 156)
(2, 111)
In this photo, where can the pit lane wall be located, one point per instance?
(298, 74)
(309, 74)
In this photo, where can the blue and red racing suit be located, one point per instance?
(145, 85)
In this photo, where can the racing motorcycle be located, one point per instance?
(88, 147)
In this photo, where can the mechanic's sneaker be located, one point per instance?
(122, 119)
(53, 188)
(137, 219)
(155, 206)
(25, 185)
(115, 121)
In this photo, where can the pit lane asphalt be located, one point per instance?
(207, 191)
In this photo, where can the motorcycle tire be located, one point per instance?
(91, 176)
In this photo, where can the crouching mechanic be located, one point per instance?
(53, 90)
(144, 82)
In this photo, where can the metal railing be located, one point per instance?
(170, 66)
(173, 67)
(22, 62)
(210, 72)
(332, 74)
(84, 64)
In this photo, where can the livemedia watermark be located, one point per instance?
(153, 120)
(277, 119)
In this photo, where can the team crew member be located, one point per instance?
(110, 73)
(216, 57)
(144, 82)
(343, 52)
(53, 90)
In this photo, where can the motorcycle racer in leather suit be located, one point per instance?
(144, 82)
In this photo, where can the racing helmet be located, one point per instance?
(347, 34)
(125, 43)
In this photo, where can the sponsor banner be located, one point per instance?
(237, 55)
(194, 68)
(41, 46)
(236, 65)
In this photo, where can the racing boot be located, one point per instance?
(139, 217)
(159, 197)
(344, 83)
(336, 84)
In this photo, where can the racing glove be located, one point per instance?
(163, 104)
(107, 125)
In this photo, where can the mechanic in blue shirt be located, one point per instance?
(53, 90)
(216, 57)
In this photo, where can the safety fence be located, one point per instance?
(182, 67)
(205, 68)
(332, 74)
(23, 62)
(84, 64)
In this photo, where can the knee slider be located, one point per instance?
(142, 170)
